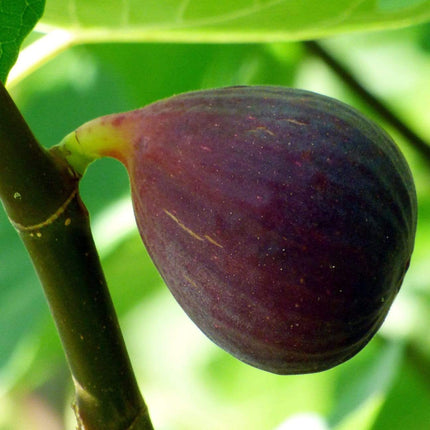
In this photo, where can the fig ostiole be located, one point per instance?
(281, 220)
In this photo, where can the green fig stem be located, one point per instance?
(40, 194)
(70, 150)
(109, 136)
(385, 112)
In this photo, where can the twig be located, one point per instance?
(376, 104)
(41, 198)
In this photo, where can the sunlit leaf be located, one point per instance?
(17, 18)
(224, 20)
(367, 377)
(407, 404)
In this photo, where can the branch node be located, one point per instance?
(50, 219)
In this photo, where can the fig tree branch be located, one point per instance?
(40, 195)
(384, 111)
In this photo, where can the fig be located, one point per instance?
(281, 220)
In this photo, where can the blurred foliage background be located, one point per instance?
(189, 383)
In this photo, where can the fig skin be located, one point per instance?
(282, 221)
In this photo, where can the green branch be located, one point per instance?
(41, 197)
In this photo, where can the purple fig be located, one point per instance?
(282, 221)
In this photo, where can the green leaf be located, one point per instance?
(367, 376)
(21, 298)
(17, 18)
(406, 406)
(224, 20)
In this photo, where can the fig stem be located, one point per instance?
(70, 150)
(385, 112)
(40, 195)
(100, 137)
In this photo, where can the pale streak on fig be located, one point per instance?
(262, 128)
(295, 121)
(184, 227)
(213, 241)
(188, 279)
(190, 232)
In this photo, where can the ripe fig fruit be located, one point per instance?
(282, 221)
